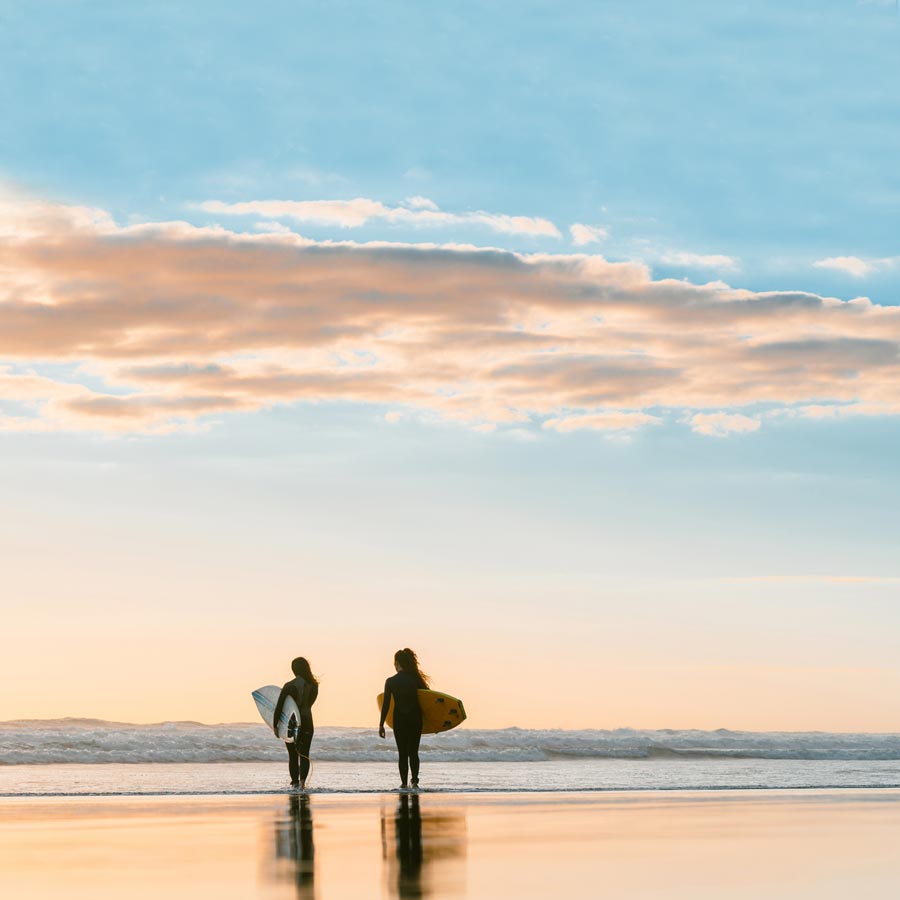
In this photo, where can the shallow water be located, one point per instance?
(437, 776)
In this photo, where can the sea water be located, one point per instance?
(92, 757)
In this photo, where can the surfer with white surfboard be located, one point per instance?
(303, 689)
(402, 691)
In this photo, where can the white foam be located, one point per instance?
(94, 741)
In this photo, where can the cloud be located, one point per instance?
(603, 421)
(419, 202)
(272, 228)
(56, 405)
(720, 424)
(167, 324)
(582, 235)
(418, 212)
(831, 411)
(855, 266)
(699, 260)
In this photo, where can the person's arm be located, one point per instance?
(385, 706)
(279, 706)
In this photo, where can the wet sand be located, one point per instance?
(776, 844)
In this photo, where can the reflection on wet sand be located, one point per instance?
(423, 850)
(294, 851)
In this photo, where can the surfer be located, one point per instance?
(304, 688)
(403, 688)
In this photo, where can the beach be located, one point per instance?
(687, 814)
(499, 400)
(778, 844)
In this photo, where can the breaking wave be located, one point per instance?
(94, 741)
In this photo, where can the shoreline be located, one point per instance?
(503, 778)
(612, 799)
(464, 792)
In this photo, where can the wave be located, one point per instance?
(91, 741)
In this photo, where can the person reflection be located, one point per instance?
(294, 848)
(422, 843)
(408, 837)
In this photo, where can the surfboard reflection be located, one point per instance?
(423, 849)
(294, 850)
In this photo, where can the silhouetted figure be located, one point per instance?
(404, 688)
(294, 843)
(304, 688)
(408, 839)
(423, 852)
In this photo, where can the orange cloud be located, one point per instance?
(181, 322)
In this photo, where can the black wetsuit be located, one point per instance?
(304, 695)
(404, 688)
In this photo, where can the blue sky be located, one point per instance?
(762, 131)
(752, 144)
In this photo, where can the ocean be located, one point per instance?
(96, 758)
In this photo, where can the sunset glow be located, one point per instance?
(528, 341)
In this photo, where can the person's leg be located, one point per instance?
(413, 745)
(400, 736)
(293, 763)
(304, 739)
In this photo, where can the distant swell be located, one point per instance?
(94, 741)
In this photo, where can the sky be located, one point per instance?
(556, 341)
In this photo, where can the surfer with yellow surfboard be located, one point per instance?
(402, 692)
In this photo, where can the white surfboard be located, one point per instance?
(265, 699)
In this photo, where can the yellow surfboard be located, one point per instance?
(440, 712)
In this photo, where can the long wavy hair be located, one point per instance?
(409, 662)
(300, 667)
